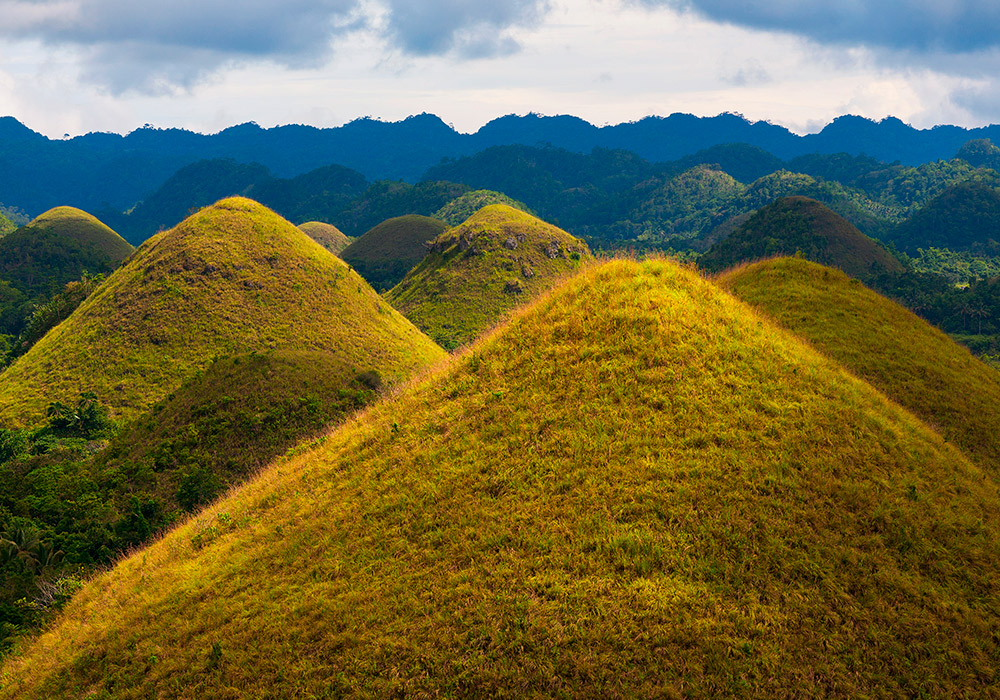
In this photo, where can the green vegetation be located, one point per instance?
(913, 363)
(958, 267)
(965, 217)
(232, 278)
(327, 235)
(388, 251)
(388, 199)
(801, 225)
(478, 271)
(636, 488)
(461, 208)
(6, 225)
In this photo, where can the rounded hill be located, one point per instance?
(638, 487)
(793, 225)
(385, 253)
(898, 353)
(499, 258)
(461, 208)
(232, 278)
(327, 235)
(42, 256)
(964, 217)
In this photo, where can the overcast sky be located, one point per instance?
(73, 66)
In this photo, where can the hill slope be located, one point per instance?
(385, 253)
(497, 259)
(965, 217)
(793, 224)
(56, 247)
(327, 235)
(903, 356)
(638, 488)
(461, 208)
(231, 278)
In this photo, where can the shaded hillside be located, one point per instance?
(384, 254)
(233, 277)
(903, 356)
(499, 258)
(227, 422)
(461, 208)
(793, 225)
(327, 235)
(388, 200)
(964, 217)
(637, 488)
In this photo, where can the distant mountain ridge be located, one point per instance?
(103, 170)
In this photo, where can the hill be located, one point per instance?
(385, 253)
(965, 217)
(901, 355)
(233, 277)
(799, 224)
(56, 247)
(636, 488)
(327, 235)
(473, 274)
(461, 208)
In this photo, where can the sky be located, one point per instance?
(69, 67)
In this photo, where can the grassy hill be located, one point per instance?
(964, 217)
(639, 487)
(56, 247)
(232, 278)
(800, 224)
(903, 356)
(461, 208)
(474, 273)
(385, 253)
(327, 235)
(227, 422)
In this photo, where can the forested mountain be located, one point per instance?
(100, 171)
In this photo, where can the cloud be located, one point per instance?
(154, 46)
(952, 26)
(472, 28)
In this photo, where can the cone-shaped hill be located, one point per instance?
(799, 224)
(638, 487)
(232, 278)
(461, 208)
(226, 423)
(327, 235)
(474, 273)
(385, 253)
(900, 354)
(966, 216)
(57, 247)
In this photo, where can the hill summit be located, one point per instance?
(638, 487)
(232, 278)
(56, 248)
(327, 235)
(499, 258)
(792, 225)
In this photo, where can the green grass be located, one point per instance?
(385, 253)
(497, 260)
(232, 278)
(793, 225)
(638, 487)
(881, 342)
(461, 208)
(327, 235)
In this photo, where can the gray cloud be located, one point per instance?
(159, 46)
(953, 26)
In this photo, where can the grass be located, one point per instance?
(636, 487)
(461, 208)
(327, 235)
(231, 278)
(901, 355)
(56, 248)
(385, 253)
(793, 225)
(498, 259)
